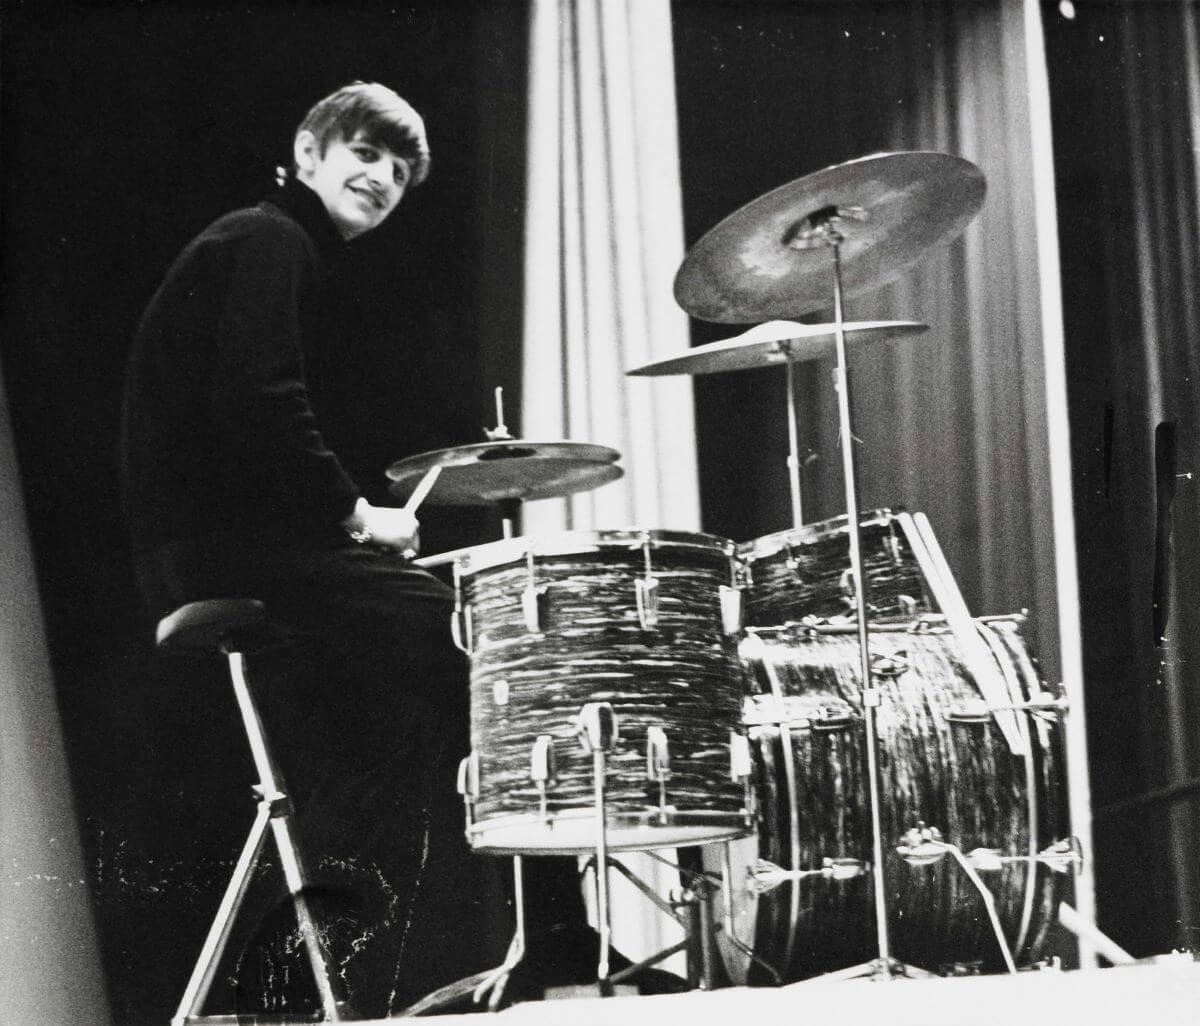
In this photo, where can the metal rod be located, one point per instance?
(599, 774)
(205, 971)
(793, 460)
(870, 695)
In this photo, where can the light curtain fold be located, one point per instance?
(604, 237)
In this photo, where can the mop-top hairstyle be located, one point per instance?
(383, 117)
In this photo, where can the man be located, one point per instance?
(230, 489)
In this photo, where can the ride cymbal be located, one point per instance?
(512, 469)
(770, 260)
(773, 343)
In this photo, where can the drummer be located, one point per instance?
(231, 490)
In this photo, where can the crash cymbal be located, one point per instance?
(513, 469)
(769, 344)
(769, 260)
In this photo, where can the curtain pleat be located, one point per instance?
(604, 238)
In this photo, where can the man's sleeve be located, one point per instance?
(261, 388)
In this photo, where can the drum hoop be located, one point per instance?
(770, 544)
(578, 543)
(717, 825)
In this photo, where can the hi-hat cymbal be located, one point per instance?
(772, 343)
(491, 472)
(770, 260)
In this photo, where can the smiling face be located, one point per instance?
(359, 181)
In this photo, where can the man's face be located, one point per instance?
(360, 182)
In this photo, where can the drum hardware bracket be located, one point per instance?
(460, 617)
(468, 786)
(1044, 705)
(924, 846)
(741, 770)
(646, 590)
(890, 665)
(533, 598)
(764, 876)
(543, 771)
(658, 766)
(1061, 857)
(647, 602)
(731, 609)
(534, 607)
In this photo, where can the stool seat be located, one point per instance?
(215, 625)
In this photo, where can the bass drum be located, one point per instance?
(943, 764)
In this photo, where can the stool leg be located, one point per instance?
(218, 934)
(271, 783)
(293, 872)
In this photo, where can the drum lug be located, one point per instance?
(646, 590)
(972, 713)
(460, 629)
(468, 786)
(922, 846)
(826, 722)
(543, 770)
(890, 665)
(460, 618)
(647, 602)
(533, 597)
(658, 765)
(731, 609)
(891, 542)
(741, 770)
(597, 727)
(534, 605)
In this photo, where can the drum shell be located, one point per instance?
(803, 572)
(680, 674)
(957, 776)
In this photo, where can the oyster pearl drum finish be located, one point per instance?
(805, 572)
(944, 765)
(627, 617)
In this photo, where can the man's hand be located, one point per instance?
(384, 525)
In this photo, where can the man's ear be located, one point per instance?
(306, 152)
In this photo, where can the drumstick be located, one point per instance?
(424, 487)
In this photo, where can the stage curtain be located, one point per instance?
(954, 423)
(1130, 104)
(604, 237)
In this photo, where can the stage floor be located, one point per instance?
(1167, 991)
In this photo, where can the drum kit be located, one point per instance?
(860, 777)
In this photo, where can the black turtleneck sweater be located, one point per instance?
(219, 432)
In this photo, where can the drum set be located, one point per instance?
(859, 776)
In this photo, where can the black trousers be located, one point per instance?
(365, 705)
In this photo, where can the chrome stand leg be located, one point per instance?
(497, 979)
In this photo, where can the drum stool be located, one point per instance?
(232, 626)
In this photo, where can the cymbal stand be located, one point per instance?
(510, 512)
(821, 228)
(793, 440)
